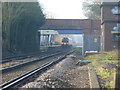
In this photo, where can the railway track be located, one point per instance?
(9, 59)
(18, 57)
(28, 62)
(14, 61)
(16, 70)
(16, 81)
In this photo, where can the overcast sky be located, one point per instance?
(63, 9)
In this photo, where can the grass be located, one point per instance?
(98, 63)
(103, 56)
(103, 73)
(106, 76)
(78, 50)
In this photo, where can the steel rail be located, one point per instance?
(20, 79)
(24, 63)
(8, 59)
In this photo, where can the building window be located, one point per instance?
(117, 27)
(116, 37)
(115, 10)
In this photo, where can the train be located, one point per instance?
(65, 41)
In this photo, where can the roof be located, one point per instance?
(48, 32)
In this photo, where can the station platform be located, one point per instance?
(50, 46)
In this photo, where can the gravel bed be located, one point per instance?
(21, 70)
(65, 74)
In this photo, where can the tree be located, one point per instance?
(92, 9)
(20, 23)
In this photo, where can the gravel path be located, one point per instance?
(65, 74)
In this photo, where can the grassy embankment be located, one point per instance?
(105, 65)
(78, 50)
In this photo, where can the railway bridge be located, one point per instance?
(90, 29)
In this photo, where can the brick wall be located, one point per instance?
(108, 21)
(89, 26)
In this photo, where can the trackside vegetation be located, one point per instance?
(105, 65)
(20, 22)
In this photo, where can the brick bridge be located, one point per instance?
(90, 29)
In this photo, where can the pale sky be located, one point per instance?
(63, 9)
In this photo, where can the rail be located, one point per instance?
(8, 59)
(18, 80)
(23, 56)
(18, 65)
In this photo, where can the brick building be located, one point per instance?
(110, 25)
